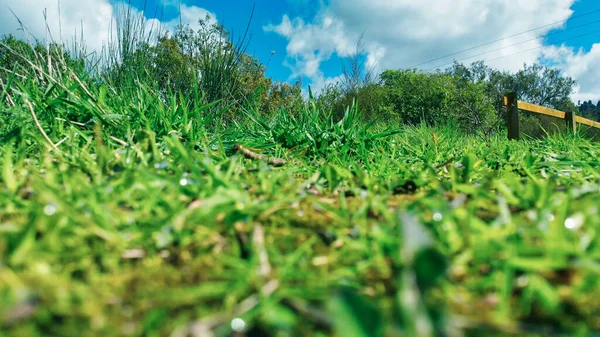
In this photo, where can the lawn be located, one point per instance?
(415, 231)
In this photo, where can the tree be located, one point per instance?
(357, 85)
(208, 62)
(536, 83)
(219, 65)
(543, 85)
(283, 96)
(418, 97)
(356, 74)
(588, 110)
(494, 83)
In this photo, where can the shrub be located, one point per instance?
(418, 97)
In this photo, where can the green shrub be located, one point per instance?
(418, 97)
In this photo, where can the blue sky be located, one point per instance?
(288, 66)
(585, 9)
(309, 37)
(235, 15)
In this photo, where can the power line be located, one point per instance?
(531, 49)
(518, 43)
(506, 37)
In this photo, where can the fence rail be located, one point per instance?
(587, 122)
(514, 105)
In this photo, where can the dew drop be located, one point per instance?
(574, 222)
(531, 215)
(300, 213)
(437, 216)
(238, 324)
(183, 182)
(363, 194)
(162, 165)
(523, 281)
(50, 209)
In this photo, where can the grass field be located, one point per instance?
(425, 229)
(149, 219)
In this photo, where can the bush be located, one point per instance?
(418, 97)
(370, 100)
(472, 109)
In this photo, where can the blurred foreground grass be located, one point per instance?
(418, 236)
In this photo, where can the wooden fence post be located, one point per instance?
(512, 117)
(571, 121)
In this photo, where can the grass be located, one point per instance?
(150, 237)
(130, 213)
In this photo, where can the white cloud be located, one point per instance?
(404, 33)
(320, 82)
(191, 15)
(311, 44)
(97, 17)
(94, 15)
(581, 66)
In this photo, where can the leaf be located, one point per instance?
(102, 91)
(430, 266)
(354, 316)
(538, 264)
(8, 174)
(542, 292)
(278, 315)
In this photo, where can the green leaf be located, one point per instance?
(8, 174)
(430, 266)
(543, 293)
(353, 315)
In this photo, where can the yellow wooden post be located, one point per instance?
(512, 117)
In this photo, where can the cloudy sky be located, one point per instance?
(309, 37)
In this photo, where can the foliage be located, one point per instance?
(588, 110)
(474, 109)
(543, 85)
(331, 98)
(315, 133)
(355, 74)
(203, 62)
(469, 97)
(370, 99)
(536, 83)
(205, 56)
(283, 96)
(21, 59)
(357, 85)
(418, 97)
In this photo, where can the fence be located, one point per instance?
(514, 105)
